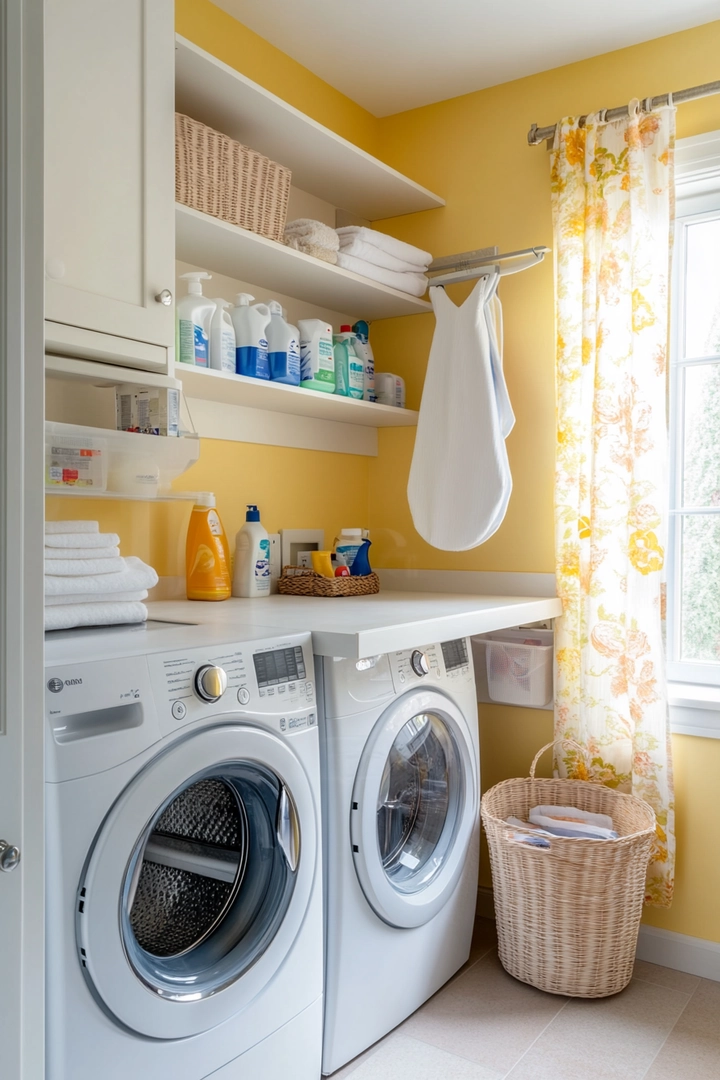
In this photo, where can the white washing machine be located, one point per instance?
(401, 794)
(184, 877)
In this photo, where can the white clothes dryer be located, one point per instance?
(184, 884)
(401, 795)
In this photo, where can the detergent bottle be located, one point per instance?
(193, 316)
(207, 554)
(283, 347)
(251, 574)
(222, 338)
(251, 346)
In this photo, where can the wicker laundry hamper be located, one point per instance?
(568, 914)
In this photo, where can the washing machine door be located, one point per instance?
(198, 881)
(414, 807)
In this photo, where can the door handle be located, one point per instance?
(9, 856)
(287, 828)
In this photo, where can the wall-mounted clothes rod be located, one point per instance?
(536, 134)
(470, 265)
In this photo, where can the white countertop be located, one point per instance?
(359, 626)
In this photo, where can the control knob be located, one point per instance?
(419, 663)
(210, 682)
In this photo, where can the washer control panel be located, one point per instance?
(444, 661)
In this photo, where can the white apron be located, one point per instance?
(460, 480)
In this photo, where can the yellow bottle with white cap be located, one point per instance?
(207, 553)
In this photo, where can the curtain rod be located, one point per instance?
(537, 135)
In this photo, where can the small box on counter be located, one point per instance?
(147, 410)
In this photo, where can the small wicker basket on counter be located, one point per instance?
(568, 914)
(300, 581)
(219, 176)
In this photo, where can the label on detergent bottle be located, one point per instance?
(356, 377)
(262, 567)
(326, 361)
(214, 523)
(253, 360)
(227, 355)
(293, 359)
(200, 340)
(193, 343)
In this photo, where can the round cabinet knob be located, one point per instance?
(164, 297)
(9, 856)
(419, 663)
(210, 682)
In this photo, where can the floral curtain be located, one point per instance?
(612, 186)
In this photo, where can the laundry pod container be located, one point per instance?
(567, 909)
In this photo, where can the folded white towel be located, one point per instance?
(136, 575)
(82, 540)
(420, 259)
(70, 554)
(375, 255)
(66, 616)
(311, 248)
(315, 231)
(66, 568)
(53, 527)
(132, 596)
(415, 284)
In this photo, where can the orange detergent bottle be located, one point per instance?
(207, 554)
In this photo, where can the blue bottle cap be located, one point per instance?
(252, 513)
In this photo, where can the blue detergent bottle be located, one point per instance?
(283, 347)
(251, 346)
(361, 563)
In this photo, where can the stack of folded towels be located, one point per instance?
(314, 238)
(545, 822)
(87, 583)
(383, 258)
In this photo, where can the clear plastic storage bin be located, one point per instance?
(519, 666)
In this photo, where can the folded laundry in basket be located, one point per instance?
(54, 553)
(131, 596)
(419, 259)
(81, 539)
(67, 616)
(570, 821)
(135, 575)
(52, 527)
(415, 284)
(83, 567)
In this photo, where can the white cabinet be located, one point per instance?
(109, 178)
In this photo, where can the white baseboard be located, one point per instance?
(694, 955)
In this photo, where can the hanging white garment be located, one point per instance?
(460, 481)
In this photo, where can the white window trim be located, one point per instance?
(695, 708)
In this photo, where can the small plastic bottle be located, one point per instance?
(194, 313)
(362, 331)
(207, 554)
(317, 363)
(251, 575)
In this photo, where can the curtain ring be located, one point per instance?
(670, 102)
(602, 116)
(648, 105)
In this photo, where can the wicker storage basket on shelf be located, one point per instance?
(221, 177)
(568, 914)
(300, 581)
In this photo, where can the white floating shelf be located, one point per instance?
(227, 249)
(71, 493)
(322, 162)
(277, 397)
(101, 374)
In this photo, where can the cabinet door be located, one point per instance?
(109, 166)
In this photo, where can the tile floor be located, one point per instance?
(484, 1025)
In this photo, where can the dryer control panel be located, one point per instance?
(447, 661)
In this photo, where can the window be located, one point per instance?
(694, 547)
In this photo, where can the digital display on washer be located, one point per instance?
(279, 666)
(455, 654)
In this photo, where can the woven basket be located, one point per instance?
(568, 915)
(221, 177)
(299, 581)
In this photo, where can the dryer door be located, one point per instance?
(198, 881)
(414, 807)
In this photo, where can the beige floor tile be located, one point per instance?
(485, 1016)
(692, 1050)
(357, 1062)
(662, 976)
(605, 1039)
(402, 1058)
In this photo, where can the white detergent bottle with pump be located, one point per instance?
(317, 361)
(194, 313)
(283, 347)
(251, 346)
(222, 338)
(251, 573)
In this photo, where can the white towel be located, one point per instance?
(69, 554)
(420, 259)
(375, 255)
(136, 575)
(66, 568)
(66, 616)
(132, 596)
(83, 540)
(415, 284)
(53, 527)
(311, 248)
(316, 232)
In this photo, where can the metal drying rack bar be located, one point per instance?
(470, 265)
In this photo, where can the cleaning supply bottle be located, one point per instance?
(347, 545)
(222, 338)
(340, 353)
(207, 555)
(361, 562)
(193, 315)
(251, 346)
(317, 363)
(251, 575)
(362, 331)
(283, 347)
(355, 380)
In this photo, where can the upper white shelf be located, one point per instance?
(227, 249)
(277, 397)
(322, 162)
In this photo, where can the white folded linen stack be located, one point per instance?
(87, 582)
(383, 258)
(313, 237)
